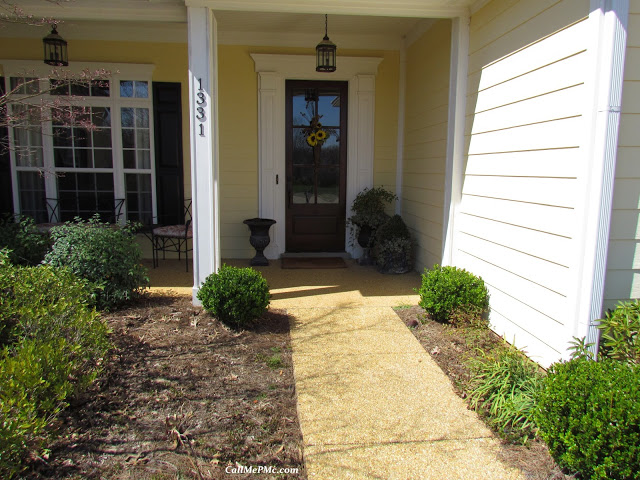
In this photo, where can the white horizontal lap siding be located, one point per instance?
(516, 225)
(623, 263)
(425, 141)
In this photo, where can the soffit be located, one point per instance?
(165, 21)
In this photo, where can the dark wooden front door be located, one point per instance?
(316, 165)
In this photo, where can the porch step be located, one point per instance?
(344, 255)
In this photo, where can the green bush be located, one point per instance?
(393, 247)
(589, 416)
(109, 258)
(34, 383)
(52, 345)
(620, 332)
(503, 389)
(27, 246)
(447, 290)
(235, 295)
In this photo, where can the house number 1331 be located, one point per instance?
(201, 103)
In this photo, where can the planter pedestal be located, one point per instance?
(259, 238)
(364, 238)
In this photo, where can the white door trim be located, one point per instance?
(273, 71)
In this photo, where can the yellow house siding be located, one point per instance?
(238, 129)
(425, 140)
(516, 225)
(623, 262)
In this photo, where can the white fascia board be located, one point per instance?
(398, 8)
(113, 10)
(286, 39)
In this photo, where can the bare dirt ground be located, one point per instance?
(186, 397)
(451, 347)
(183, 397)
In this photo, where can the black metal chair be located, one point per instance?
(53, 216)
(173, 238)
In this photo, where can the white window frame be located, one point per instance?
(136, 72)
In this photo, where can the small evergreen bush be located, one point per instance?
(27, 246)
(107, 257)
(235, 295)
(393, 246)
(446, 290)
(34, 383)
(52, 345)
(620, 333)
(589, 416)
(503, 389)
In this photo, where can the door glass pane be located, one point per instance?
(303, 180)
(302, 151)
(328, 185)
(329, 107)
(330, 152)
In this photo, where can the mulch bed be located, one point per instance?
(451, 347)
(183, 396)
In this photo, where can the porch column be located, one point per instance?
(203, 121)
(454, 170)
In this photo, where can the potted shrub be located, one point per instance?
(393, 247)
(368, 214)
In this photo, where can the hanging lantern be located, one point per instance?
(55, 49)
(326, 53)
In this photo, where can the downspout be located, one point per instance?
(402, 93)
(612, 19)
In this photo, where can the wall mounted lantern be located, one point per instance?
(326, 53)
(55, 49)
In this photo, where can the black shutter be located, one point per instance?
(6, 192)
(167, 112)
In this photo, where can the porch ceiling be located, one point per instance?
(379, 25)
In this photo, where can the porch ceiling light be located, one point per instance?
(326, 53)
(55, 49)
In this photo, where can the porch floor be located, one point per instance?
(371, 401)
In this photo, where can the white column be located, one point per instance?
(203, 121)
(454, 170)
(402, 94)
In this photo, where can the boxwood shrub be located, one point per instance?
(52, 346)
(21, 238)
(589, 415)
(235, 295)
(107, 257)
(620, 332)
(449, 290)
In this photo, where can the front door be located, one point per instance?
(316, 165)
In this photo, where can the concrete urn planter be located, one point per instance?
(259, 238)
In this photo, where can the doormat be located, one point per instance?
(313, 262)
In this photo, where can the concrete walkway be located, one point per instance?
(372, 403)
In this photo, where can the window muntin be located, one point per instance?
(79, 88)
(27, 136)
(58, 155)
(32, 195)
(134, 89)
(78, 147)
(139, 197)
(24, 85)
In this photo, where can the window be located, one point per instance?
(103, 164)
